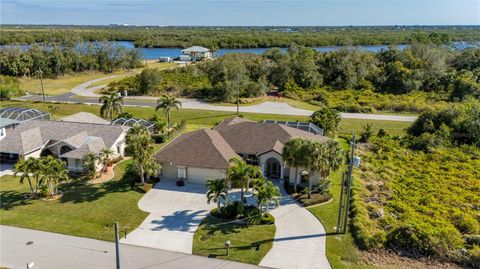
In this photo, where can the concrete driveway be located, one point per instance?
(300, 241)
(175, 213)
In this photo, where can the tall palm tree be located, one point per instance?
(166, 103)
(324, 157)
(217, 189)
(295, 156)
(140, 144)
(242, 174)
(53, 171)
(24, 167)
(111, 105)
(317, 160)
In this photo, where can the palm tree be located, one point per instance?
(294, 156)
(217, 188)
(166, 103)
(151, 168)
(266, 193)
(24, 167)
(53, 171)
(89, 164)
(140, 144)
(159, 124)
(111, 105)
(242, 174)
(105, 157)
(317, 160)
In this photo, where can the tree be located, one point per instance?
(151, 168)
(53, 171)
(217, 189)
(139, 143)
(327, 119)
(242, 174)
(294, 156)
(111, 105)
(167, 103)
(366, 133)
(24, 167)
(89, 164)
(148, 80)
(266, 193)
(159, 124)
(106, 157)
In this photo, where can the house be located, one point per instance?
(85, 117)
(204, 154)
(69, 141)
(12, 116)
(195, 53)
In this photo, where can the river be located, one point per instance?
(155, 53)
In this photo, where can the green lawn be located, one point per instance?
(210, 241)
(206, 118)
(341, 250)
(84, 210)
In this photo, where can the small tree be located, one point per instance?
(294, 154)
(25, 167)
(217, 189)
(53, 171)
(111, 105)
(266, 193)
(139, 143)
(106, 157)
(366, 133)
(166, 103)
(242, 174)
(89, 164)
(327, 119)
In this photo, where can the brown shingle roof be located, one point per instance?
(251, 137)
(204, 148)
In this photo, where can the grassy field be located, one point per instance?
(210, 241)
(66, 83)
(206, 118)
(341, 250)
(84, 210)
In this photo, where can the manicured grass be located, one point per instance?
(64, 84)
(341, 250)
(206, 118)
(210, 241)
(84, 210)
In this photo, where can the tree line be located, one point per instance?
(54, 61)
(238, 37)
(303, 73)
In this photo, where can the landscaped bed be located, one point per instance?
(84, 210)
(249, 244)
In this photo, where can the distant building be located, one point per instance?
(165, 59)
(12, 116)
(195, 53)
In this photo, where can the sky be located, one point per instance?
(241, 12)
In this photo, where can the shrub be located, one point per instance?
(474, 257)
(180, 183)
(267, 218)
(315, 198)
(215, 213)
(159, 138)
(472, 239)
(232, 210)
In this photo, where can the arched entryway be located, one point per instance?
(272, 168)
(64, 149)
(46, 152)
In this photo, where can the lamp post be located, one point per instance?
(117, 250)
(227, 246)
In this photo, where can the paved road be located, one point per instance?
(300, 239)
(83, 90)
(49, 250)
(175, 214)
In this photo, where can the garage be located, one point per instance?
(201, 175)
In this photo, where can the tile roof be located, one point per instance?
(32, 135)
(204, 148)
(85, 117)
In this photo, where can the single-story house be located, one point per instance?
(195, 53)
(204, 154)
(69, 141)
(85, 117)
(13, 116)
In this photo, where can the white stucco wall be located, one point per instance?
(313, 175)
(34, 154)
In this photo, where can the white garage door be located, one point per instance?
(201, 175)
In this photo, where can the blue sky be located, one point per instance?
(241, 12)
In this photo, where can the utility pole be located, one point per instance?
(238, 93)
(117, 251)
(41, 83)
(344, 204)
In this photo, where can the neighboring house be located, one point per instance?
(195, 53)
(12, 116)
(85, 117)
(69, 141)
(204, 154)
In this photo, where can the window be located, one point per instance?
(118, 150)
(78, 163)
(182, 172)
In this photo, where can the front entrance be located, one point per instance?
(272, 169)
